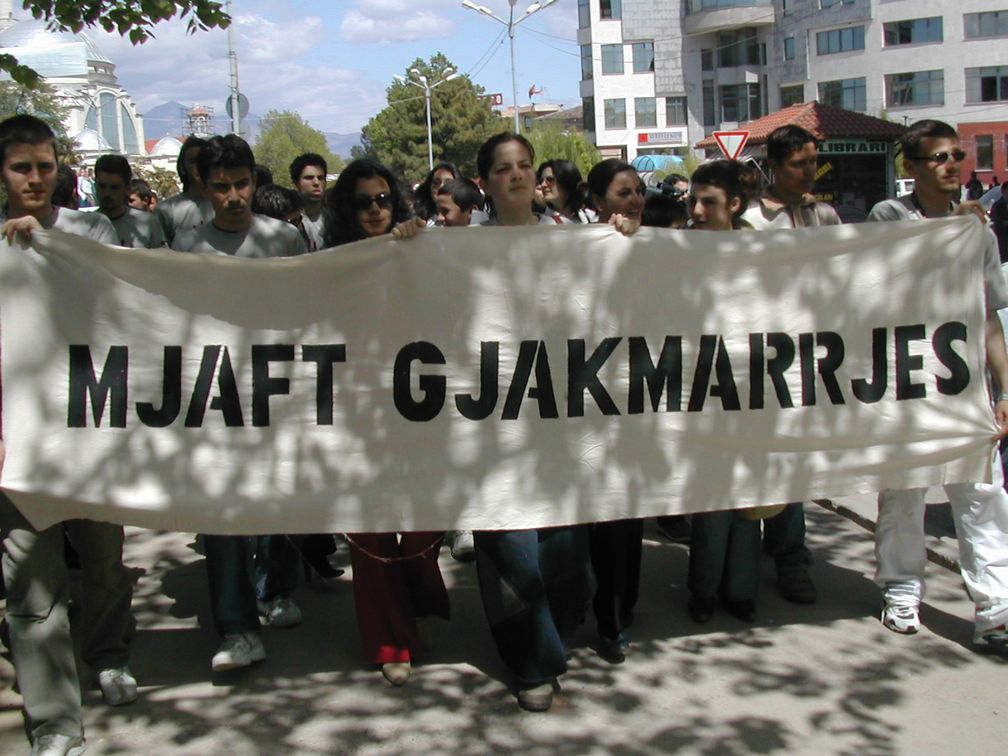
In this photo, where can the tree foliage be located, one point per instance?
(131, 18)
(40, 101)
(551, 142)
(461, 119)
(285, 136)
(164, 182)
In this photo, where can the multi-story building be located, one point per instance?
(660, 75)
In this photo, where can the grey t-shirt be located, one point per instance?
(135, 228)
(91, 225)
(995, 289)
(183, 213)
(266, 237)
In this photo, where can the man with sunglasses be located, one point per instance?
(932, 157)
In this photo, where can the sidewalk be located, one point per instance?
(826, 678)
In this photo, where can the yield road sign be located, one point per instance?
(731, 142)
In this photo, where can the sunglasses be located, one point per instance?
(363, 202)
(942, 157)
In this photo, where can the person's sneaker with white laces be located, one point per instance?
(901, 618)
(280, 612)
(995, 638)
(57, 744)
(118, 686)
(238, 650)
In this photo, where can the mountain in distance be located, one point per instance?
(341, 144)
(167, 119)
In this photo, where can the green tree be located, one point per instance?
(461, 119)
(131, 18)
(285, 137)
(40, 101)
(551, 142)
(162, 181)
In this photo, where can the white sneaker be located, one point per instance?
(55, 744)
(280, 612)
(238, 650)
(901, 618)
(118, 686)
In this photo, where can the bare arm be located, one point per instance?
(997, 361)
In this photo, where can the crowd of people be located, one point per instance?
(537, 586)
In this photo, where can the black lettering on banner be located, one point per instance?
(468, 405)
(433, 386)
(783, 346)
(531, 354)
(111, 387)
(713, 354)
(806, 362)
(227, 402)
(324, 356)
(828, 364)
(666, 374)
(941, 341)
(756, 373)
(906, 362)
(870, 392)
(583, 374)
(171, 393)
(263, 384)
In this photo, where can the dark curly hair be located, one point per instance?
(341, 219)
(425, 204)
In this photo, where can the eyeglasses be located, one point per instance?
(551, 180)
(941, 157)
(363, 202)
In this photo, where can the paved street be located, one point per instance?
(821, 679)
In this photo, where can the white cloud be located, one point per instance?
(379, 25)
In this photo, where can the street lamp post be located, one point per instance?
(511, 24)
(422, 82)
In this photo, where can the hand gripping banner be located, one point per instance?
(489, 378)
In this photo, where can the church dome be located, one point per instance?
(52, 53)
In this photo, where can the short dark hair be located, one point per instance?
(603, 173)
(784, 141)
(422, 196)
(116, 165)
(464, 193)
(724, 174)
(276, 201)
(928, 128)
(65, 192)
(191, 142)
(25, 129)
(229, 151)
(142, 189)
(663, 210)
(485, 156)
(341, 219)
(263, 175)
(568, 178)
(303, 161)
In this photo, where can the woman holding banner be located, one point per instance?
(396, 579)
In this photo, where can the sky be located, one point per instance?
(332, 60)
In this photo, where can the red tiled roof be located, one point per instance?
(823, 121)
(149, 144)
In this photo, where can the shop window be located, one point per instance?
(916, 88)
(611, 9)
(850, 94)
(645, 112)
(675, 111)
(615, 113)
(987, 84)
(914, 32)
(612, 59)
(840, 40)
(984, 25)
(792, 95)
(643, 57)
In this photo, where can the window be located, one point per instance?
(984, 152)
(915, 32)
(109, 122)
(584, 14)
(916, 88)
(675, 111)
(706, 60)
(643, 57)
(987, 84)
(792, 95)
(709, 106)
(844, 93)
(740, 102)
(789, 48)
(615, 114)
(990, 24)
(840, 40)
(645, 112)
(588, 113)
(611, 8)
(612, 59)
(738, 47)
(832, 3)
(586, 62)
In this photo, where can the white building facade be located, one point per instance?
(660, 75)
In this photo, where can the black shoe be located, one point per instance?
(613, 650)
(795, 585)
(674, 527)
(701, 608)
(744, 610)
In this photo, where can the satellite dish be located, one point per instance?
(243, 106)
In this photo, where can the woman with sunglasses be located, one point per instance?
(395, 581)
(559, 184)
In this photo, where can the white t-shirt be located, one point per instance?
(136, 228)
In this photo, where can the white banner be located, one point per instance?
(491, 377)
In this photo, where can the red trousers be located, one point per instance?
(390, 595)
